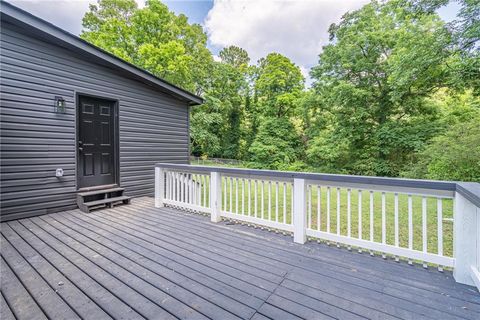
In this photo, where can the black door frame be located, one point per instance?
(116, 135)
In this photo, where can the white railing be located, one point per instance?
(433, 222)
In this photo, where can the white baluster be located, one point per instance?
(338, 211)
(236, 195)
(159, 187)
(262, 196)
(299, 216)
(309, 206)
(276, 201)
(424, 227)
(440, 226)
(225, 193)
(216, 196)
(349, 212)
(284, 202)
(328, 209)
(269, 200)
(360, 214)
(319, 207)
(249, 197)
(255, 195)
(243, 196)
(231, 192)
(384, 222)
(410, 225)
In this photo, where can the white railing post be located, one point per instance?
(299, 212)
(215, 196)
(466, 241)
(159, 187)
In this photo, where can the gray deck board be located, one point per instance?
(137, 261)
(64, 287)
(398, 276)
(189, 278)
(437, 300)
(363, 279)
(6, 312)
(376, 267)
(104, 297)
(52, 303)
(18, 298)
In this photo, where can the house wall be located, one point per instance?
(35, 140)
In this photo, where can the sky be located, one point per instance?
(294, 28)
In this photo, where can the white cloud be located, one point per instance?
(296, 29)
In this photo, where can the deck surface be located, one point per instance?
(135, 261)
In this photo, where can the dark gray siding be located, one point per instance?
(35, 140)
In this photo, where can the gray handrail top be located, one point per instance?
(470, 190)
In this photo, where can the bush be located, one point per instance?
(276, 144)
(455, 155)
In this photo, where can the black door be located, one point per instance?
(96, 165)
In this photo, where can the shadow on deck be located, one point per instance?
(137, 261)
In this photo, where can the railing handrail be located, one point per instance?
(470, 190)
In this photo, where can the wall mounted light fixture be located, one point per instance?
(60, 105)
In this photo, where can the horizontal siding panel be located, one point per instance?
(34, 161)
(47, 143)
(43, 186)
(44, 71)
(53, 205)
(35, 147)
(13, 199)
(47, 168)
(36, 141)
(36, 127)
(35, 134)
(29, 120)
(45, 180)
(37, 155)
(38, 115)
(19, 176)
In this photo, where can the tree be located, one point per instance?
(454, 155)
(382, 62)
(278, 83)
(152, 38)
(467, 36)
(216, 126)
(276, 144)
(235, 56)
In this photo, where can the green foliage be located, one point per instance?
(374, 81)
(216, 124)
(278, 83)
(276, 144)
(152, 38)
(235, 56)
(454, 155)
(396, 90)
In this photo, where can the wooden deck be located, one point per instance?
(140, 262)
